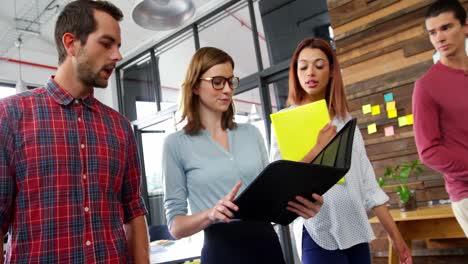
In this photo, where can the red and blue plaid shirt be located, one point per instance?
(69, 178)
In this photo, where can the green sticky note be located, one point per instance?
(297, 129)
(366, 109)
(372, 128)
(402, 121)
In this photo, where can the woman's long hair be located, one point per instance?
(334, 95)
(202, 61)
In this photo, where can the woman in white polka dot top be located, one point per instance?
(340, 232)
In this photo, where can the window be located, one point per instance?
(278, 94)
(174, 60)
(231, 31)
(249, 110)
(261, 37)
(138, 89)
(152, 141)
(6, 91)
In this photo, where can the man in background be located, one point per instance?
(440, 104)
(69, 169)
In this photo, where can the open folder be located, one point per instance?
(266, 198)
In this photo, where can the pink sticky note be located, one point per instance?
(389, 131)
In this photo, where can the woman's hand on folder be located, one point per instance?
(326, 134)
(222, 211)
(304, 207)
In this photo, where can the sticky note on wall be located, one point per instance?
(391, 106)
(409, 119)
(388, 97)
(372, 128)
(392, 113)
(389, 131)
(366, 109)
(405, 120)
(402, 121)
(375, 109)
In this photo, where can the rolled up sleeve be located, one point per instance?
(132, 200)
(7, 182)
(372, 193)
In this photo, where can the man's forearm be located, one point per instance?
(440, 158)
(137, 237)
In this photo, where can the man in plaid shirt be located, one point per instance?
(69, 169)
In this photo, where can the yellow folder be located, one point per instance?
(297, 129)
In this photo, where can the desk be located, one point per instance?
(177, 252)
(433, 222)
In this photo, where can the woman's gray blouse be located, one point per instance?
(199, 170)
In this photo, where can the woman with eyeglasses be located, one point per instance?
(340, 233)
(207, 163)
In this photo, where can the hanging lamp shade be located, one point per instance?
(162, 15)
(20, 85)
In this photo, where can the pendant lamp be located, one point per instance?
(162, 15)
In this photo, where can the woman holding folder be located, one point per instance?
(340, 232)
(210, 160)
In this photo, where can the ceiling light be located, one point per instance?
(162, 14)
(20, 85)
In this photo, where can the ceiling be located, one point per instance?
(41, 48)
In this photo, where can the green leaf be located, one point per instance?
(404, 193)
(382, 181)
(388, 171)
(395, 176)
(419, 170)
(404, 173)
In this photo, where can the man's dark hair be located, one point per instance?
(442, 6)
(77, 18)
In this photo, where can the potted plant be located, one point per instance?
(401, 173)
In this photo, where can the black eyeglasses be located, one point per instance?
(218, 82)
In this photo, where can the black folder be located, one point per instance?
(266, 198)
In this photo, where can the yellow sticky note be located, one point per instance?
(402, 121)
(372, 128)
(392, 113)
(409, 119)
(297, 129)
(391, 106)
(375, 109)
(366, 109)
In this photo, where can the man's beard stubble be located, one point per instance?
(86, 74)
